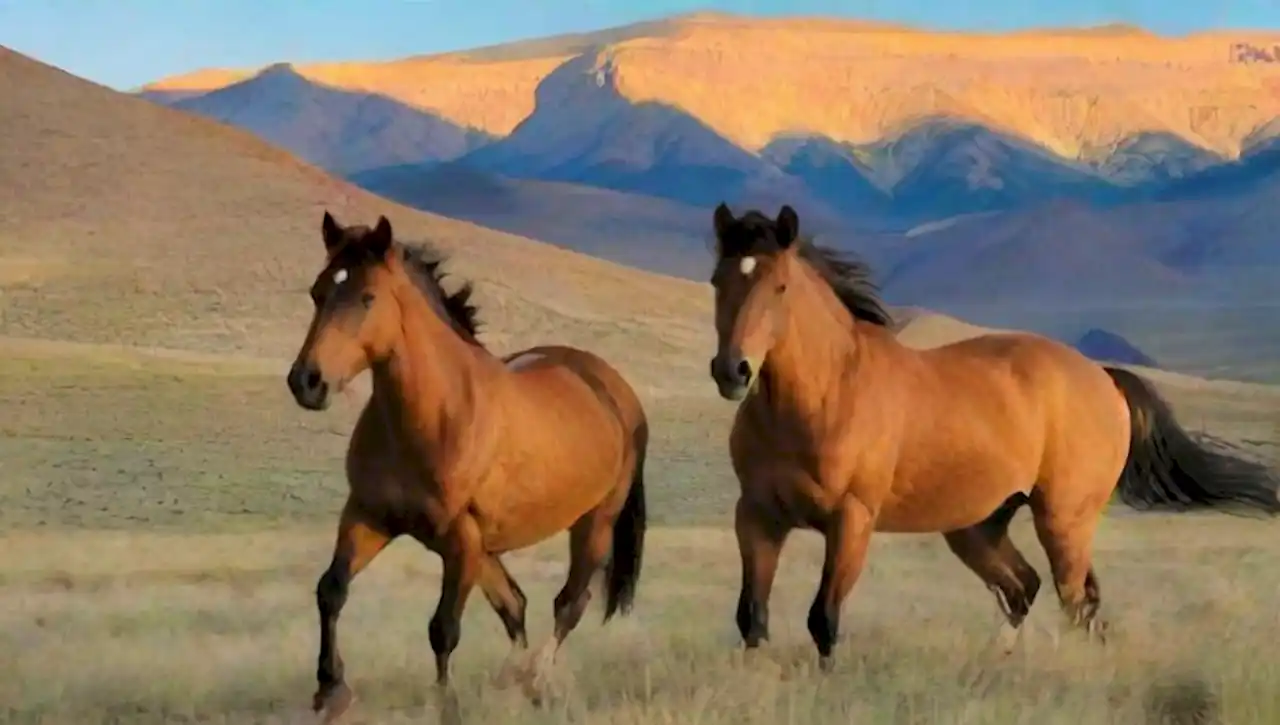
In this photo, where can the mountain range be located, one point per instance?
(1060, 180)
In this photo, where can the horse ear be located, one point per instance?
(788, 223)
(723, 220)
(331, 232)
(378, 241)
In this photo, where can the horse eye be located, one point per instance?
(366, 299)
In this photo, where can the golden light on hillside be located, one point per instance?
(751, 80)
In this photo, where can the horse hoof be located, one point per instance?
(507, 676)
(535, 689)
(449, 707)
(536, 684)
(332, 702)
(1098, 631)
(1007, 640)
(826, 664)
(536, 678)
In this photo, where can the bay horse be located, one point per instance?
(842, 429)
(469, 454)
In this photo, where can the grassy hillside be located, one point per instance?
(147, 226)
(639, 231)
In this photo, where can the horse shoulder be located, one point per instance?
(367, 446)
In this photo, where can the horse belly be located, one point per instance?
(940, 508)
(523, 508)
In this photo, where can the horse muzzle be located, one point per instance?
(734, 375)
(308, 386)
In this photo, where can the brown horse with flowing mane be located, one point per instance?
(469, 454)
(845, 430)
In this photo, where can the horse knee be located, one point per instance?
(331, 589)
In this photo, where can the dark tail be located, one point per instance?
(1167, 469)
(623, 570)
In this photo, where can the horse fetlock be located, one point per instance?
(444, 633)
(823, 628)
(329, 675)
(332, 700)
(753, 621)
(512, 668)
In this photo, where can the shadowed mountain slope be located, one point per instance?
(140, 225)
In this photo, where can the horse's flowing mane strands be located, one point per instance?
(427, 262)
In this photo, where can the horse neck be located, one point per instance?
(431, 385)
(817, 347)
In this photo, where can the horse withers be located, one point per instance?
(469, 454)
(845, 430)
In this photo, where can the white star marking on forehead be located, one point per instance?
(747, 266)
(340, 276)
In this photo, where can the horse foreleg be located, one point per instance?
(848, 534)
(464, 559)
(760, 542)
(359, 541)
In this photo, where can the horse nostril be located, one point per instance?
(313, 379)
(744, 370)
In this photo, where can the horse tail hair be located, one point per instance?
(1168, 469)
(623, 570)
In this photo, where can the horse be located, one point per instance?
(844, 430)
(470, 454)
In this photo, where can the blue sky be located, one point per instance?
(125, 43)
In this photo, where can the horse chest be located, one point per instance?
(393, 483)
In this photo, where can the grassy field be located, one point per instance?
(166, 517)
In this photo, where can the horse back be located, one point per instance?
(608, 385)
(1023, 401)
(571, 433)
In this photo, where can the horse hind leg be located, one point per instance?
(987, 551)
(1068, 541)
(590, 541)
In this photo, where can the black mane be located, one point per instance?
(848, 276)
(425, 262)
